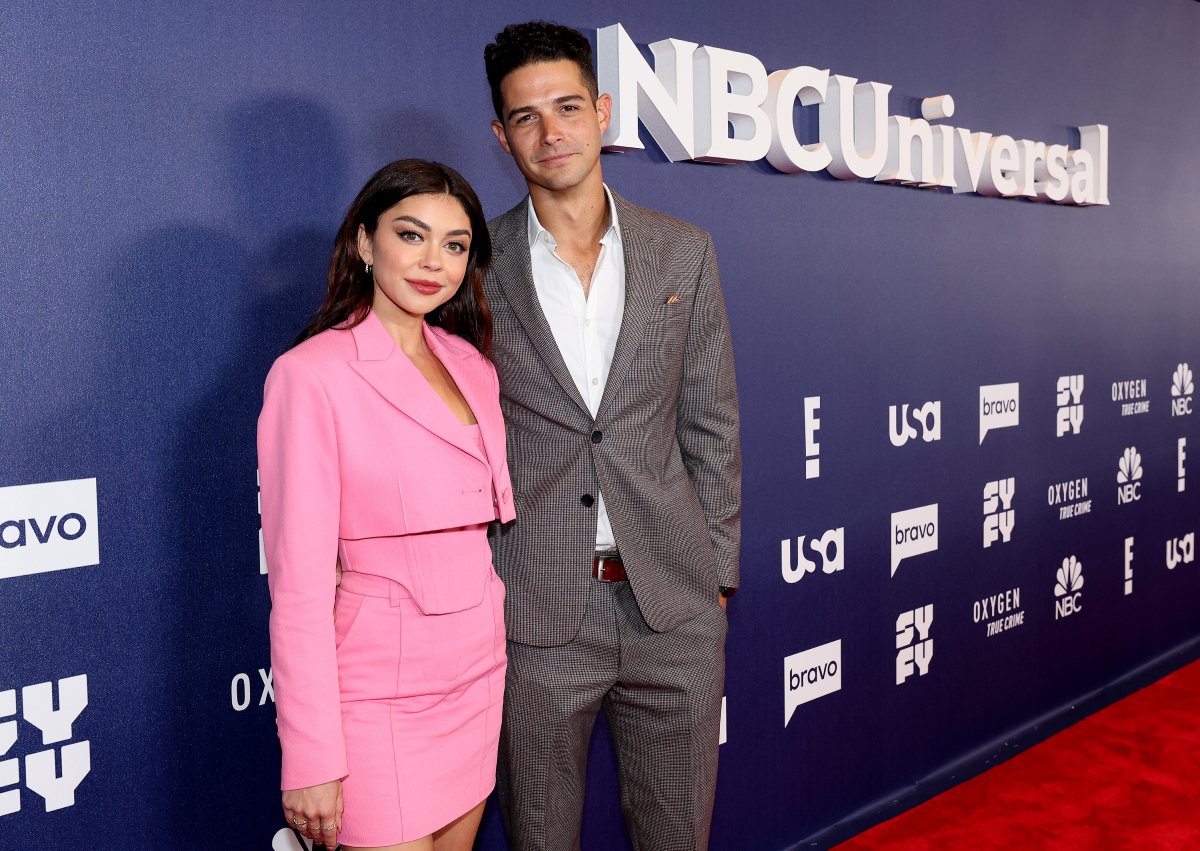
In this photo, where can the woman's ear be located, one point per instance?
(365, 246)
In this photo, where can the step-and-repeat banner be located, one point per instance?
(959, 248)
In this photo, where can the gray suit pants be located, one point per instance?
(661, 694)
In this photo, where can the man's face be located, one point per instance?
(551, 127)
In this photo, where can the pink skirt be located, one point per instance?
(421, 704)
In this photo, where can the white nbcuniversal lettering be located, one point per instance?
(811, 674)
(49, 526)
(999, 407)
(915, 655)
(914, 532)
(1069, 399)
(1129, 474)
(999, 516)
(826, 552)
(1182, 388)
(1128, 566)
(1181, 550)
(56, 787)
(903, 427)
(714, 105)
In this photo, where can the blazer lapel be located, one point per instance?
(514, 272)
(640, 293)
(387, 369)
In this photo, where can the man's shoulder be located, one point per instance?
(649, 222)
(503, 222)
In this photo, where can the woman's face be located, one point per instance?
(419, 250)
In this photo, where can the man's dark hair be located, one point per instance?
(518, 45)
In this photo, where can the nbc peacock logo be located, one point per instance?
(1129, 476)
(1181, 390)
(1068, 587)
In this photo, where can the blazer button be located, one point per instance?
(588, 500)
(597, 437)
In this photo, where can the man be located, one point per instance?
(617, 384)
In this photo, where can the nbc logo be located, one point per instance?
(1070, 404)
(924, 421)
(1181, 390)
(1129, 477)
(1067, 585)
(1181, 550)
(826, 553)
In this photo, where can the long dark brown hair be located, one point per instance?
(351, 289)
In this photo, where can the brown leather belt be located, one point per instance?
(609, 569)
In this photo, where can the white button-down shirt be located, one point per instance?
(585, 329)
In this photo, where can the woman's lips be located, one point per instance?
(424, 287)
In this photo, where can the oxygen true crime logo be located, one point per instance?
(999, 612)
(48, 526)
(1070, 498)
(1133, 396)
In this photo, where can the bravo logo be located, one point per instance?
(914, 532)
(903, 426)
(812, 449)
(1181, 550)
(999, 407)
(827, 553)
(1129, 476)
(914, 643)
(56, 786)
(811, 674)
(50, 526)
(999, 517)
(1070, 404)
(1181, 390)
(1067, 586)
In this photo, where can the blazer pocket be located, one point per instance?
(346, 607)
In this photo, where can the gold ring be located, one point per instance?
(299, 822)
(329, 826)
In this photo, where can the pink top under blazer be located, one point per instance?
(356, 451)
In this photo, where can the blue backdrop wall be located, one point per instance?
(171, 180)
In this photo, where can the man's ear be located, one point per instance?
(604, 111)
(501, 136)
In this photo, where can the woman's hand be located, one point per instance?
(316, 811)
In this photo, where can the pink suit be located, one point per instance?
(392, 682)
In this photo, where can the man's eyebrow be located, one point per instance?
(558, 101)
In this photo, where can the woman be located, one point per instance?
(381, 445)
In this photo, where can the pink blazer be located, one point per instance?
(356, 451)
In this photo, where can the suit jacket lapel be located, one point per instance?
(388, 370)
(514, 272)
(641, 291)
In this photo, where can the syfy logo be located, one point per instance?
(56, 788)
(1070, 497)
(1181, 391)
(262, 547)
(240, 692)
(1067, 586)
(1133, 396)
(1180, 457)
(827, 552)
(1181, 550)
(1128, 566)
(903, 426)
(999, 407)
(714, 105)
(1129, 476)
(914, 533)
(811, 674)
(1001, 611)
(1070, 404)
(50, 526)
(999, 517)
(812, 449)
(914, 643)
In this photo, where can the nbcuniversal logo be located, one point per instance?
(48, 526)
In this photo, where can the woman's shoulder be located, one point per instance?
(317, 354)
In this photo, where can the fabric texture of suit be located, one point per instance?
(663, 446)
(664, 449)
(357, 455)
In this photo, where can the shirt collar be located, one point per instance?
(534, 229)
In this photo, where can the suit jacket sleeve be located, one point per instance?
(708, 419)
(300, 484)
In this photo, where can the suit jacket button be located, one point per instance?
(588, 500)
(597, 437)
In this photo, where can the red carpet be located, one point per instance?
(1125, 777)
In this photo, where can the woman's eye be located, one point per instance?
(410, 236)
(456, 247)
